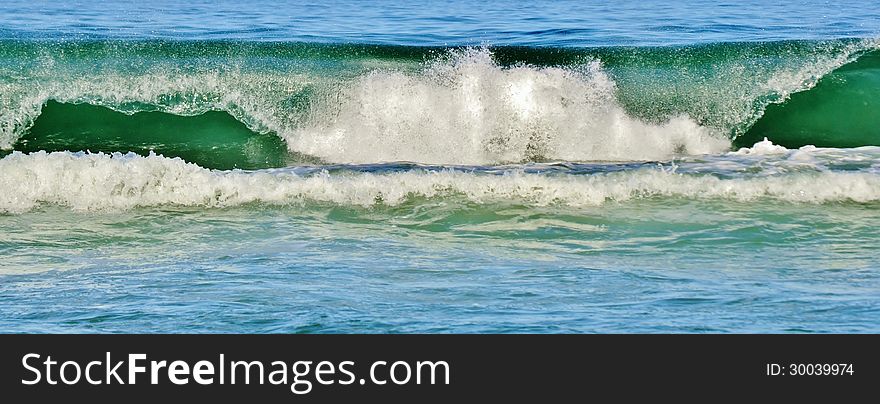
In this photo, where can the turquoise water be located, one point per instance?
(450, 167)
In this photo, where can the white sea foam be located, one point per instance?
(469, 110)
(762, 148)
(111, 182)
(810, 156)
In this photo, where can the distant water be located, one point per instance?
(447, 22)
(544, 166)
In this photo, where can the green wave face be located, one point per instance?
(842, 110)
(213, 139)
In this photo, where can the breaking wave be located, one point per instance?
(368, 104)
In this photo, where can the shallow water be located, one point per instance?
(336, 270)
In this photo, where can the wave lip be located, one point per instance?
(84, 182)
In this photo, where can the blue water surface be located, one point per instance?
(448, 22)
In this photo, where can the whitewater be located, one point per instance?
(86, 181)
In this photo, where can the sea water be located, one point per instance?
(536, 166)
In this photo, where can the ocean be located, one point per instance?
(440, 167)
